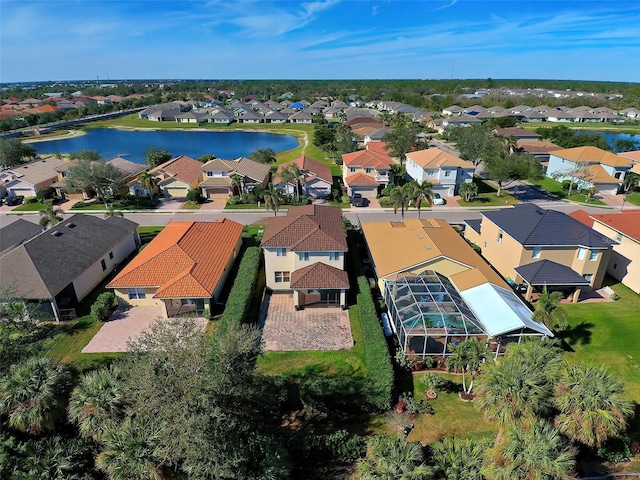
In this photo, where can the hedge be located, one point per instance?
(241, 295)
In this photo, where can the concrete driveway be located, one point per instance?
(123, 327)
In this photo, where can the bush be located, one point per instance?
(241, 295)
(433, 381)
(45, 194)
(104, 306)
(615, 450)
(567, 183)
(30, 200)
(345, 199)
(79, 205)
(335, 394)
(195, 196)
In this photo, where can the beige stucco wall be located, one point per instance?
(291, 262)
(149, 301)
(625, 257)
(227, 270)
(90, 278)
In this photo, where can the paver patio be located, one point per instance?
(284, 328)
(124, 326)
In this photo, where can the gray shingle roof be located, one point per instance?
(17, 232)
(547, 272)
(44, 266)
(534, 226)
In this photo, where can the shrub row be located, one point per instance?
(376, 352)
(244, 287)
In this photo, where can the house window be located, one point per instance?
(368, 170)
(536, 252)
(334, 255)
(281, 252)
(352, 169)
(209, 173)
(110, 255)
(500, 236)
(137, 294)
(430, 173)
(588, 277)
(593, 255)
(282, 277)
(581, 253)
(304, 256)
(104, 264)
(447, 173)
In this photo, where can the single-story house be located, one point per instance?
(175, 177)
(16, 233)
(30, 177)
(217, 175)
(316, 181)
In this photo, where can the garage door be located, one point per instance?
(180, 192)
(25, 192)
(366, 192)
(219, 192)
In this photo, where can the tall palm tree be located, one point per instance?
(50, 215)
(466, 358)
(291, 175)
(549, 311)
(132, 451)
(469, 190)
(401, 198)
(391, 458)
(111, 211)
(272, 198)
(458, 459)
(33, 395)
(97, 403)
(237, 183)
(536, 452)
(591, 405)
(149, 182)
(422, 191)
(509, 144)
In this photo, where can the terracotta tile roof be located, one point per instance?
(319, 275)
(380, 147)
(367, 158)
(582, 217)
(181, 261)
(436, 158)
(627, 223)
(314, 168)
(182, 167)
(591, 154)
(309, 228)
(597, 174)
(360, 179)
(631, 155)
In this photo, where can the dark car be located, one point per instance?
(17, 200)
(358, 201)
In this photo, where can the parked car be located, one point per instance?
(437, 199)
(358, 201)
(17, 200)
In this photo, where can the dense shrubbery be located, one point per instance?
(195, 196)
(345, 394)
(104, 306)
(244, 287)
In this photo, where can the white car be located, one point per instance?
(436, 199)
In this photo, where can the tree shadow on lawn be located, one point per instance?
(578, 335)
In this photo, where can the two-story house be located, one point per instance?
(304, 254)
(589, 166)
(444, 171)
(316, 179)
(538, 247)
(366, 172)
(217, 176)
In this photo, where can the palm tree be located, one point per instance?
(290, 175)
(591, 405)
(112, 212)
(237, 183)
(420, 191)
(132, 451)
(97, 403)
(509, 144)
(631, 181)
(536, 452)
(50, 215)
(149, 182)
(272, 198)
(457, 459)
(466, 357)
(33, 395)
(469, 191)
(549, 311)
(401, 198)
(393, 459)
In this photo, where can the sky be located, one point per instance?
(319, 39)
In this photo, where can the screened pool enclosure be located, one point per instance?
(427, 313)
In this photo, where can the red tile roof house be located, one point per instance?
(304, 253)
(183, 270)
(366, 172)
(317, 179)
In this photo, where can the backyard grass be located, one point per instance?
(148, 233)
(633, 198)
(309, 363)
(28, 207)
(487, 196)
(555, 188)
(73, 336)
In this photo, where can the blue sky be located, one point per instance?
(319, 39)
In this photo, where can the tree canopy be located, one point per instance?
(155, 156)
(13, 152)
(89, 172)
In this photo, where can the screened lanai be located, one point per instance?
(428, 313)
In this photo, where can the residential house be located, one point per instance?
(538, 148)
(61, 266)
(623, 228)
(192, 117)
(183, 269)
(539, 247)
(217, 176)
(316, 181)
(589, 166)
(366, 172)
(30, 177)
(304, 253)
(376, 135)
(517, 132)
(16, 233)
(460, 120)
(444, 171)
(440, 292)
(175, 177)
(275, 117)
(221, 116)
(300, 117)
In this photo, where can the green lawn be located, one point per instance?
(592, 127)
(555, 188)
(28, 207)
(302, 364)
(487, 196)
(148, 233)
(634, 198)
(253, 206)
(72, 337)
(191, 206)
(93, 206)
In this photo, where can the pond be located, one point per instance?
(612, 137)
(129, 144)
